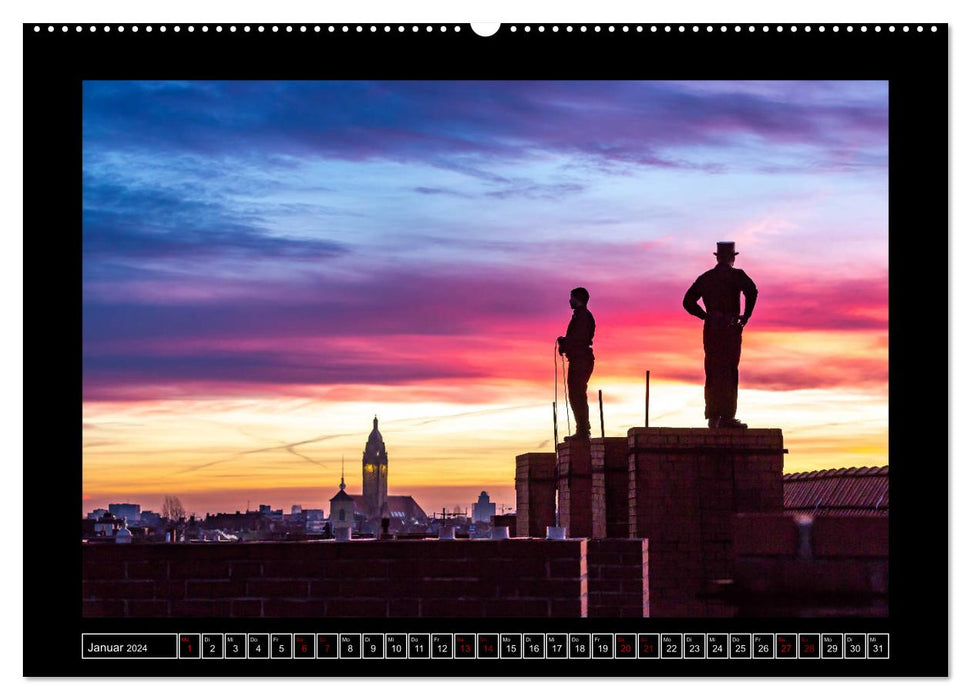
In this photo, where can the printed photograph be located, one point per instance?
(541, 349)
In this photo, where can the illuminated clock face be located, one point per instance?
(370, 468)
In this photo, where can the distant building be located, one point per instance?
(96, 513)
(483, 509)
(342, 509)
(374, 473)
(315, 522)
(132, 512)
(363, 512)
(151, 519)
(107, 525)
(238, 522)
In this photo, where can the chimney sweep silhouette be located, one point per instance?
(719, 288)
(577, 345)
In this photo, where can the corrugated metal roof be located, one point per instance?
(852, 491)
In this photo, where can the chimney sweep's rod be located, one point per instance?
(556, 439)
(647, 399)
(600, 398)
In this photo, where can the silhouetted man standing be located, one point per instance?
(719, 288)
(577, 345)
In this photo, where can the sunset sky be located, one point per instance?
(269, 265)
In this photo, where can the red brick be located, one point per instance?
(148, 608)
(245, 569)
(202, 608)
(404, 607)
(758, 534)
(276, 588)
(499, 569)
(440, 568)
(357, 608)
(516, 608)
(290, 568)
(120, 590)
(197, 569)
(568, 608)
(364, 569)
(170, 590)
(301, 551)
(215, 589)
(153, 570)
(451, 607)
(296, 608)
(324, 589)
(94, 568)
(533, 588)
(566, 568)
(851, 536)
(103, 608)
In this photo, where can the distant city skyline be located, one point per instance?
(267, 265)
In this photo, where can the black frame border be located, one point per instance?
(913, 58)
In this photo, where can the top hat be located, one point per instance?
(726, 248)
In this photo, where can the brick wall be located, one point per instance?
(618, 580)
(814, 567)
(685, 487)
(608, 458)
(430, 578)
(535, 493)
(574, 485)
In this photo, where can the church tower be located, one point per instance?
(374, 471)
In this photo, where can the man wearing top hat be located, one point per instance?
(719, 288)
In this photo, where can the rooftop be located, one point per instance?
(851, 491)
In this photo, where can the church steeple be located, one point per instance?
(374, 471)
